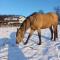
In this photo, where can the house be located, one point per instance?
(21, 19)
(11, 20)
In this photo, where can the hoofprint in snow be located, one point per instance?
(48, 50)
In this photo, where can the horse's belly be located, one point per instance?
(37, 26)
(46, 25)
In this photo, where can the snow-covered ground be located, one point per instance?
(48, 50)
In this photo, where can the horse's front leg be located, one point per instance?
(39, 35)
(30, 33)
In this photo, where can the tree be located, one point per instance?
(41, 11)
(57, 10)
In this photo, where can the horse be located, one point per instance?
(38, 21)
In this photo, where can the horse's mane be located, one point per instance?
(22, 24)
(32, 14)
(27, 18)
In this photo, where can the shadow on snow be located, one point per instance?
(14, 52)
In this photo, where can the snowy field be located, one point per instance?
(48, 50)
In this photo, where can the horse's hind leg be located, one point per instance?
(51, 32)
(31, 31)
(39, 35)
(55, 32)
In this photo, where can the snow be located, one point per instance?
(48, 50)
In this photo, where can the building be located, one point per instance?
(11, 20)
(21, 19)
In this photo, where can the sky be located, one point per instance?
(26, 7)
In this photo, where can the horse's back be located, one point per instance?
(49, 18)
(40, 21)
(44, 20)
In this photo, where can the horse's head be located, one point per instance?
(19, 35)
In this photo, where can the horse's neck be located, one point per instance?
(26, 25)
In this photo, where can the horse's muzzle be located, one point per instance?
(17, 42)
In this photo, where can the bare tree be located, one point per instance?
(57, 10)
(41, 11)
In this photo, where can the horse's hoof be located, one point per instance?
(39, 43)
(54, 39)
(51, 39)
(25, 43)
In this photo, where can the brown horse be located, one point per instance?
(38, 21)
